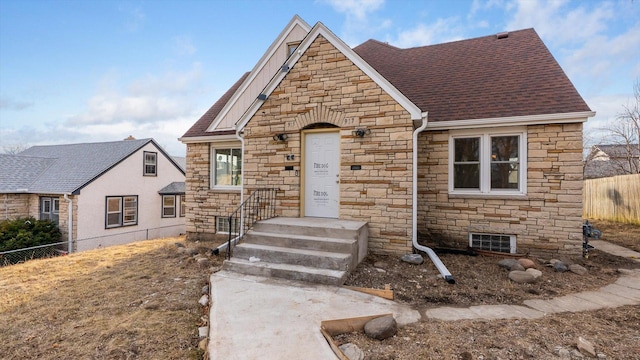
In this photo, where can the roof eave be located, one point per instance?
(541, 119)
(321, 29)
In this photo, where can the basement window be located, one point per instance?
(493, 242)
(222, 225)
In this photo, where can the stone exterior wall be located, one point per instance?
(203, 204)
(548, 220)
(15, 206)
(324, 87)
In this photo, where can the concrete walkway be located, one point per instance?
(614, 249)
(264, 318)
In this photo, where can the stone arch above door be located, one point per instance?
(317, 114)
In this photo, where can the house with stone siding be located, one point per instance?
(99, 194)
(474, 143)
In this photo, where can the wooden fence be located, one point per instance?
(614, 198)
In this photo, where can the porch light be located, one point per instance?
(280, 137)
(361, 132)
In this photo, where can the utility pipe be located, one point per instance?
(69, 223)
(432, 255)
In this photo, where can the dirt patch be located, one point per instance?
(137, 301)
(479, 280)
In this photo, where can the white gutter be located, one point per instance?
(69, 223)
(432, 255)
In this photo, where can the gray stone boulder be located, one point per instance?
(415, 259)
(535, 272)
(352, 351)
(577, 269)
(507, 263)
(522, 277)
(559, 266)
(381, 328)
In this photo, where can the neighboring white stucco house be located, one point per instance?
(101, 193)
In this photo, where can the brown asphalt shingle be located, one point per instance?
(478, 78)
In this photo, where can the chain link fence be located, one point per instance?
(60, 248)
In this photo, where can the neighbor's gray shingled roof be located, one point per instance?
(72, 166)
(479, 78)
(19, 172)
(176, 187)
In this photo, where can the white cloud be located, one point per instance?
(356, 9)
(358, 24)
(134, 16)
(183, 45)
(148, 100)
(443, 30)
(10, 104)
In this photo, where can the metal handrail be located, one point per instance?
(260, 205)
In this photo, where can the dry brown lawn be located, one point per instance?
(136, 301)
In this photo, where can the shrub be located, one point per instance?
(27, 232)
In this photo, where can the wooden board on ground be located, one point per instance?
(331, 328)
(387, 293)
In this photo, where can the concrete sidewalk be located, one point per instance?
(614, 249)
(264, 318)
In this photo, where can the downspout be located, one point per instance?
(432, 255)
(69, 223)
(224, 245)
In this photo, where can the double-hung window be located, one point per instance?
(491, 162)
(121, 211)
(49, 208)
(226, 167)
(168, 206)
(150, 163)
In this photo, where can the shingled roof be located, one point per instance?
(486, 77)
(63, 169)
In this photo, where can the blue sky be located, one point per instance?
(85, 71)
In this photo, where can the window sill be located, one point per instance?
(499, 196)
(226, 188)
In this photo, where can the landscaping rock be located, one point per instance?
(527, 263)
(381, 328)
(180, 245)
(559, 266)
(203, 331)
(205, 290)
(204, 262)
(577, 269)
(535, 272)
(517, 266)
(204, 300)
(521, 277)
(352, 351)
(507, 263)
(585, 347)
(415, 259)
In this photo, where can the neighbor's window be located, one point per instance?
(493, 242)
(150, 163)
(487, 163)
(168, 206)
(49, 208)
(183, 205)
(121, 211)
(226, 167)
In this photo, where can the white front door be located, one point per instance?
(321, 172)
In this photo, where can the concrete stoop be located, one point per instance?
(316, 250)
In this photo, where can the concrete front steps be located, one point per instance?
(317, 250)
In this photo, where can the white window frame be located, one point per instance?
(153, 163)
(183, 205)
(213, 166)
(166, 207)
(485, 136)
(123, 211)
(512, 241)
